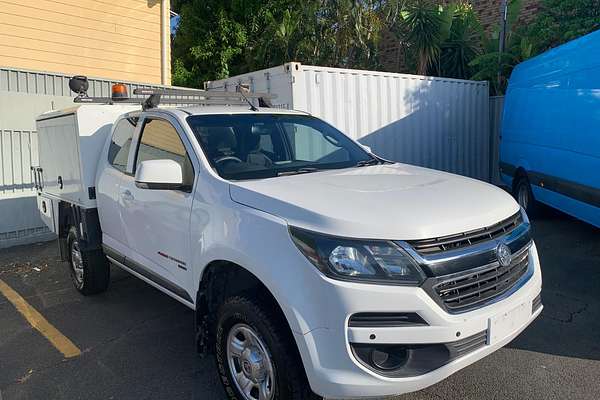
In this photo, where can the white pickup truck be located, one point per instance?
(315, 268)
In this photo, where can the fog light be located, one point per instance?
(388, 358)
(382, 357)
(401, 360)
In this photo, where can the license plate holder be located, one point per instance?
(505, 323)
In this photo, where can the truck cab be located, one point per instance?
(314, 267)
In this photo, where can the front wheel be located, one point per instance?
(256, 355)
(90, 270)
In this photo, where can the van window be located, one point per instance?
(121, 143)
(160, 141)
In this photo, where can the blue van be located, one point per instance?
(550, 141)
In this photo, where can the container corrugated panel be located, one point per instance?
(432, 122)
(36, 92)
(435, 123)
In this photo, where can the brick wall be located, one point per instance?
(391, 53)
(489, 12)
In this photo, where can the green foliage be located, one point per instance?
(216, 39)
(560, 21)
(494, 66)
(423, 27)
(220, 38)
(462, 45)
(440, 39)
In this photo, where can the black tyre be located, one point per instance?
(90, 270)
(256, 355)
(524, 195)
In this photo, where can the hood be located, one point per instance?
(392, 201)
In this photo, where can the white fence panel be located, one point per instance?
(23, 96)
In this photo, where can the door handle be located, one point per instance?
(126, 195)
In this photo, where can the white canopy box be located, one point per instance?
(70, 143)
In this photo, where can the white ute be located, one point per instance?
(315, 268)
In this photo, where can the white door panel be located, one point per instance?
(157, 222)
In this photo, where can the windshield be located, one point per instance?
(251, 146)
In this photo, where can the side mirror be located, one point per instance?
(367, 148)
(159, 175)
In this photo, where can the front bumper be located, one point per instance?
(335, 372)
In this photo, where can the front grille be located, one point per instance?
(468, 345)
(457, 241)
(473, 288)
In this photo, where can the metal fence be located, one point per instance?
(496, 109)
(23, 96)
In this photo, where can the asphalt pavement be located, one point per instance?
(137, 343)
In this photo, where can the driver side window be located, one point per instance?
(160, 141)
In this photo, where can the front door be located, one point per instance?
(157, 222)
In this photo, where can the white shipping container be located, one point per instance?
(437, 123)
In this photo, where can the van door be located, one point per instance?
(157, 222)
(111, 173)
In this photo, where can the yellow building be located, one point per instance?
(124, 40)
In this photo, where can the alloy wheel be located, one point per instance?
(250, 363)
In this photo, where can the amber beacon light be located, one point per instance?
(119, 91)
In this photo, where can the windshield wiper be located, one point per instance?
(364, 163)
(303, 170)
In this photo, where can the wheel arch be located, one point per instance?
(86, 223)
(221, 279)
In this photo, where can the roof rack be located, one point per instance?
(79, 85)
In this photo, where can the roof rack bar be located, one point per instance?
(201, 93)
(233, 102)
(109, 100)
(106, 100)
(153, 97)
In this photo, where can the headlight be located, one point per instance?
(361, 260)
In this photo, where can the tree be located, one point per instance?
(204, 46)
(216, 39)
(560, 21)
(462, 45)
(496, 67)
(423, 26)
(440, 40)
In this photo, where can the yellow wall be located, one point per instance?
(114, 39)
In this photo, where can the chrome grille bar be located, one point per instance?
(445, 243)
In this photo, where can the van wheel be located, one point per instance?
(256, 357)
(90, 270)
(524, 195)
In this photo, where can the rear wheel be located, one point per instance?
(524, 195)
(90, 270)
(257, 358)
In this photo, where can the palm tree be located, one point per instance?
(423, 26)
(462, 45)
